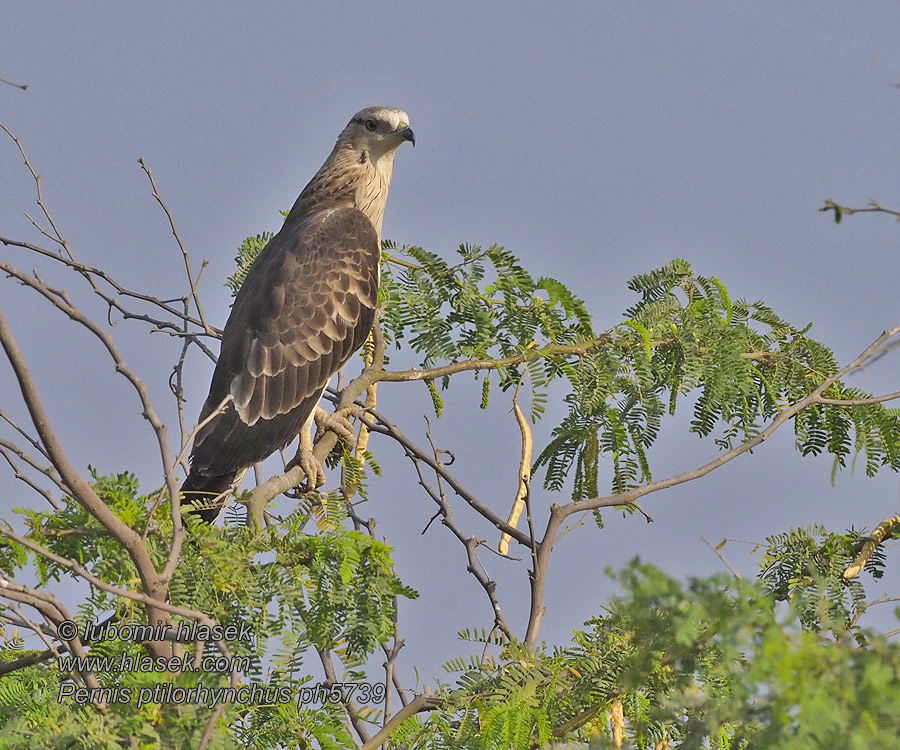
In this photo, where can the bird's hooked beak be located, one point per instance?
(407, 135)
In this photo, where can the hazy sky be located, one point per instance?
(595, 140)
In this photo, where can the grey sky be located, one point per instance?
(595, 140)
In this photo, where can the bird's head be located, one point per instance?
(376, 131)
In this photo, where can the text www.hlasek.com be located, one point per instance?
(167, 692)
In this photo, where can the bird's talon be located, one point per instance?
(337, 422)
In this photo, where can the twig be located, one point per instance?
(23, 86)
(471, 543)
(874, 207)
(25, 479)
(184, 252)
(38, 631)
(34, 443)
(468, 365)
(186, 443)
(385, 427)
(719, 554)
(91, 274)
(860, 401)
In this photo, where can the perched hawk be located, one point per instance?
(306, 306)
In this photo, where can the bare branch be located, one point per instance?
(34, 443)
(385, 427)
(60, 300)
(184, 253)
(18, 474)
(34, 628)
(81, 489)
(874, 207)
(471, 543)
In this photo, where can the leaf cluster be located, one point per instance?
(710, 663)
(332, 591)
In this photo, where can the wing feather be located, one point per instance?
(307, 304)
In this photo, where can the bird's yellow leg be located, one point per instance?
(306, 459)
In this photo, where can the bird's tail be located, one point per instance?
(205, 495)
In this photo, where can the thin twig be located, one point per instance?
(184, 252)
(24, 478)
(860, 401)
(719, 554)
(23, 86)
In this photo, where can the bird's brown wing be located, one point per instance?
(306, 306)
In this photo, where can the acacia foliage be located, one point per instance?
(713, 662)
(683, 335)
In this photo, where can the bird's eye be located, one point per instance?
(371, 126)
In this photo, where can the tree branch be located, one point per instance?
(81, 489)
(468, 365)
(417, 705)
(184, 252)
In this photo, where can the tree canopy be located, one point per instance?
(722, 662)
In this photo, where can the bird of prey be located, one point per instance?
(307, 304)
